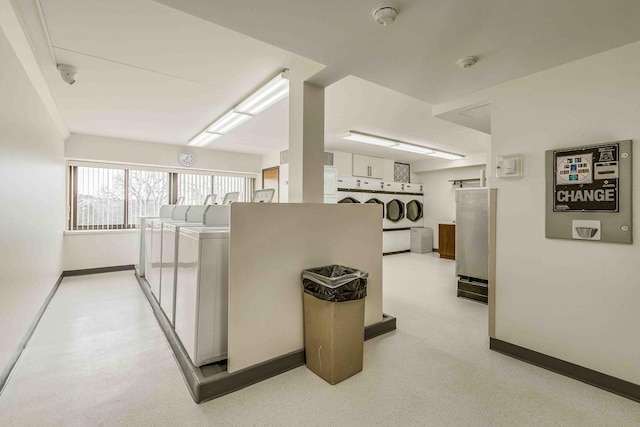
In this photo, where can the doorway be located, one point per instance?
(271, 179)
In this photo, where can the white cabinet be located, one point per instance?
(371, 167)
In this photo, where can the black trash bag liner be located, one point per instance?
(335, 283)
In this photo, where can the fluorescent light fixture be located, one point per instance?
(369, 139)
(447, 156)
(205, 138)
(227, 122)
(398, 145)
(412, 148)
(275, 90)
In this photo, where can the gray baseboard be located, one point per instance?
(203, 387)
(69, 273)
(577, 372)
(396, 252)
(15, 357)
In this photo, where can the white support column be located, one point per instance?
(306, 142)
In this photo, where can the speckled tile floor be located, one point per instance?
(98, 357)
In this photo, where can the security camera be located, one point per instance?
(68, 73)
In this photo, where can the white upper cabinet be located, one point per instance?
(371, 167)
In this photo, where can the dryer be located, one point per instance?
(349, 196)
(395, 212)
(375, 199)
(415, 210)
(201, 320)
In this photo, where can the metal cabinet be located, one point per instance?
(371, 167)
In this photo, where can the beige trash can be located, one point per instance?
(334, 321)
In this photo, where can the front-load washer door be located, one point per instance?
(378, 202)
(348, 200)
(414, 210)
(395, 210)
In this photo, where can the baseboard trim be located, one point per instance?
(396, 252)
(577, 372)
(15, 357)
(207, 387)
(69, 273)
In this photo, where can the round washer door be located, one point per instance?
(395, 210)
(414, 210)
(348, 200)
(378, 202)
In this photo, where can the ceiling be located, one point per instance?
(152, 72)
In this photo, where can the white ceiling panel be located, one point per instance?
(112, 99)
(418, 53)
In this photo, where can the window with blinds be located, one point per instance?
(105, 198)
(113, 198)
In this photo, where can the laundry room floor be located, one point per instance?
(99, 357)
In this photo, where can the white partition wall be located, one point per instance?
(270, 245)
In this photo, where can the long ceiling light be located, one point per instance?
(273, 91)
(398, 145)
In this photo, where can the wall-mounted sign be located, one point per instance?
(589, 193)
(586, 179)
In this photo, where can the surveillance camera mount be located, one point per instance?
(68, 73)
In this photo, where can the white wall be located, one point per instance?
(577, 301)
(439, 195)
(96, 249)
(105, 149)
(33, 199)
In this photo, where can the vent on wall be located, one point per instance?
(284, 158)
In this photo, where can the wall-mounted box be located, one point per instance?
(509, 166)
(589, 193)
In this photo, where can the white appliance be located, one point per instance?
(197, 216)
(166, 211)
(231, 198)
(349, 196)
(201, 294)
(371, 184)
(263, 196)
(168, 256)
(152, 270)
(347, 183)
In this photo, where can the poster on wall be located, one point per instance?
(586, 179)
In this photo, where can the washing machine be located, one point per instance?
(197, 216)
(145, 227)
(152, 270)
(201, 314)
(168, 256)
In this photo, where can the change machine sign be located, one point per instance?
(588, 193)
(586, 179)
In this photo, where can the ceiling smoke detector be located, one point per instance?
(467, 62)
(385, 13)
